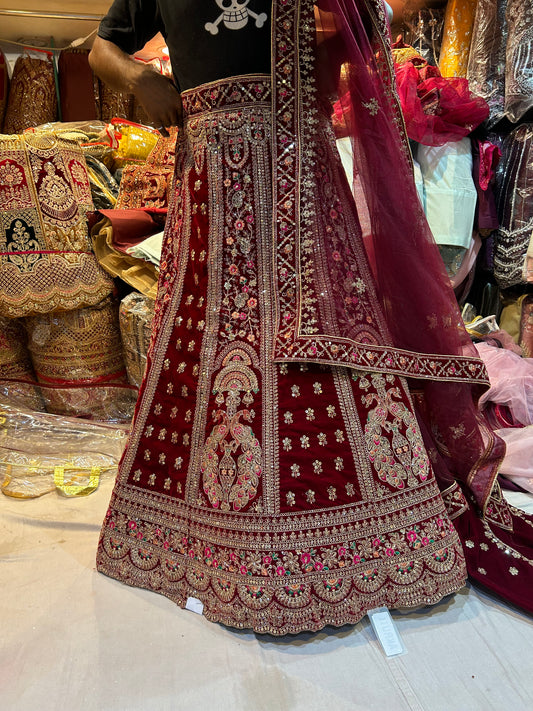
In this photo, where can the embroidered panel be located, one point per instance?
(46, 261)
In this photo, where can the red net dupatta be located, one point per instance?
(398, 315)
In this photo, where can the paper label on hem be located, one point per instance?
(195, 605)
(386, 631)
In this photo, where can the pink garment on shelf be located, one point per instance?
(511, 381)
(517, 464)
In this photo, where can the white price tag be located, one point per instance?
(386, 632)
(195, 605)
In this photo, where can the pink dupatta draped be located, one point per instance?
(323, 300)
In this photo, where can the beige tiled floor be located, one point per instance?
(73, 639)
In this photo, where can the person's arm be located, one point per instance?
(156, 93)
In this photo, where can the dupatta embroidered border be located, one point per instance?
(294, 124)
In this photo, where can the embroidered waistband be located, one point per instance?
(228, 93)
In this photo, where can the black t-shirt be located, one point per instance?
(207, 39)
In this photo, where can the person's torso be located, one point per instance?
(215, 39)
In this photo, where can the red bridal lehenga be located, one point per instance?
(276, 469)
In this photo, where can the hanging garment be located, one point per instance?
(263, 464)
(518, 64)
(456, 37)
(424, 27)
(486, 62)
(76, 86)
(32, 97)
(514, 192)
(4, 88)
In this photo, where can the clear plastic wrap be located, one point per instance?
(40, 452)
(110, 403)
(80, 131)
(486, 63)
(136, 314)
(82, 346)
(104, 187)
(423, 30)
(134, 142)
(514, 197)
(15, 359)
(518, 59)
(110, 103)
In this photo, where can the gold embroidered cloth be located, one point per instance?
(135, 319)
(457, 35)
(46, 261)
(78, 347)
(150, 184)
(32, 97)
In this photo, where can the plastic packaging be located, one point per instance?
(82, 346)
(133, 143)
(81, 131)
(518, 65)
(456, 38)
(514, 198)
(486, 63)
(135, 318)
(424, 27)
(15, 359)
(104, 187)
(42, 452)
(111, 403)
(110, 104)
(32, 93)
(4, 88)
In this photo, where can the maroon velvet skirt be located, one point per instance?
(284, 496)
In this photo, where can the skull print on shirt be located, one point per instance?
(234, 15)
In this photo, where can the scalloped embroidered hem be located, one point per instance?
(282, 608)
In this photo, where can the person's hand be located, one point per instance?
(160, 99)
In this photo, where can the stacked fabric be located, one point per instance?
(50, 279)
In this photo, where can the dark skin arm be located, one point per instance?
(156, 93)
